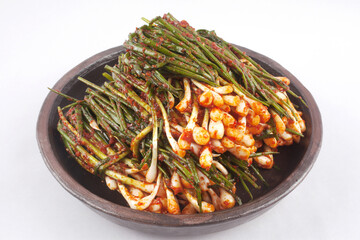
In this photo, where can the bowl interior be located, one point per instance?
(286, 162)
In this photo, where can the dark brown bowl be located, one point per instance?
(293, 163)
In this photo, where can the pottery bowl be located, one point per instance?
(293, 163)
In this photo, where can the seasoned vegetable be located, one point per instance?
(179, 120)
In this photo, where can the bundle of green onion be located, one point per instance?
(179, 120)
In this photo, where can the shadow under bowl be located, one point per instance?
(293, 163)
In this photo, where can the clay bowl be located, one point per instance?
(293, 163)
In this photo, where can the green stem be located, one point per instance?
(136, 141)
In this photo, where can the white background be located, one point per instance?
(318, 41)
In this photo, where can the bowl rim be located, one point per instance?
(128, 214)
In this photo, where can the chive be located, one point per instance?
(294, 132)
